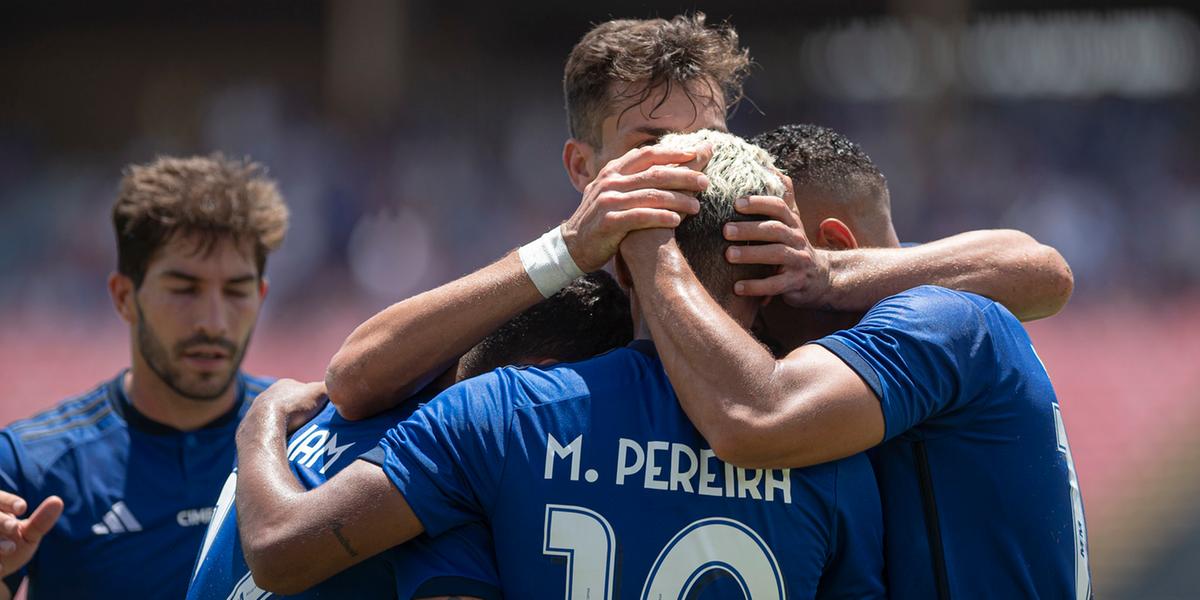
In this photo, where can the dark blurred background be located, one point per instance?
(415, 141)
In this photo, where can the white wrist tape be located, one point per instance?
(549, 263)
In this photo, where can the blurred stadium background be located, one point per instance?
(414, 141)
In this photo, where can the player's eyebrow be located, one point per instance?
(656, 132)
(250, 277)
(181, 275)
(173, 274)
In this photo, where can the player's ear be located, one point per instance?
(264, 285)
(121, 290)
(835, 235)
(578, 158)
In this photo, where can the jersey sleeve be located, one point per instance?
(460, 562)
(446, 459)
(924, 352)
(855, 566)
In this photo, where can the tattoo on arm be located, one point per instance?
(337, 532)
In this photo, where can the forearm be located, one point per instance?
(266, 493)
(1030, 279)
(392, 354)
(355, 515)
(724, 378)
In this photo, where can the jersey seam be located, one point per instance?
(86, 404)
(837, 513)
(47, 466)
(508, 434)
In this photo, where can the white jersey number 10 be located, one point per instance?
(585, 538)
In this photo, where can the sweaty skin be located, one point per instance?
(626, 185)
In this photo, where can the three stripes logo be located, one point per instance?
(117, 520)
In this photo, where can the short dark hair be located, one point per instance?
(588, 317)
(821, 158)
(736, 169)
(648, 54)
(208, 196)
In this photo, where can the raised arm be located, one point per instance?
(293, 538)
(754, 410)
(1030, 279)
(394, 353)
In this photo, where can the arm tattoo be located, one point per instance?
(337, 532)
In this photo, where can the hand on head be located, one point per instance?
(802, 278)
(648, 188)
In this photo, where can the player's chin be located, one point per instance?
(206, 385)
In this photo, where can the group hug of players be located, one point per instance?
(769, 398)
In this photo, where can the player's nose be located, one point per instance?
(212, 318)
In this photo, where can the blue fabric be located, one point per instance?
(458, 562)
(137, 493)
(970, 410)
(593, 481)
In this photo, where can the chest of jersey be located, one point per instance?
(137, 504)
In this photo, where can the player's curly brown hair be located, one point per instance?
(648, 55)
(210, 197)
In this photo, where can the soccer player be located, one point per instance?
(589, 475)
(139, 460)
(621, 96)
(978, 485)
(584, 319)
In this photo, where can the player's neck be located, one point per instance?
(793, 327)
(742, 310)
(155, 400)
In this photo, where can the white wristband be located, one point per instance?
(549, 263)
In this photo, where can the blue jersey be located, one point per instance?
(138, 493)
(979, 490)
(596, 485)
(457, 563)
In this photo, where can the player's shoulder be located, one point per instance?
(619, 368)
(930, 307)
(77, 421)
(933, 296)
(253, 385)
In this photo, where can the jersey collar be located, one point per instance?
(644, 346)
(141, 422)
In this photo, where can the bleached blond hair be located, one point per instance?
(737, 169)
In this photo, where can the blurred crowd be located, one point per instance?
(1112, 184)
(410, 154)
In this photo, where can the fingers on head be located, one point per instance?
(639, 159)
(771, 286)
(767, 206)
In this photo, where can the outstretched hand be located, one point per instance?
(647, 188)
(19, 538)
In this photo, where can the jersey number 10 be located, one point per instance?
(585, 538)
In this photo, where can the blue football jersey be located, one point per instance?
(138, 493)
(979, 491)
(595, 485)
(457, 563)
